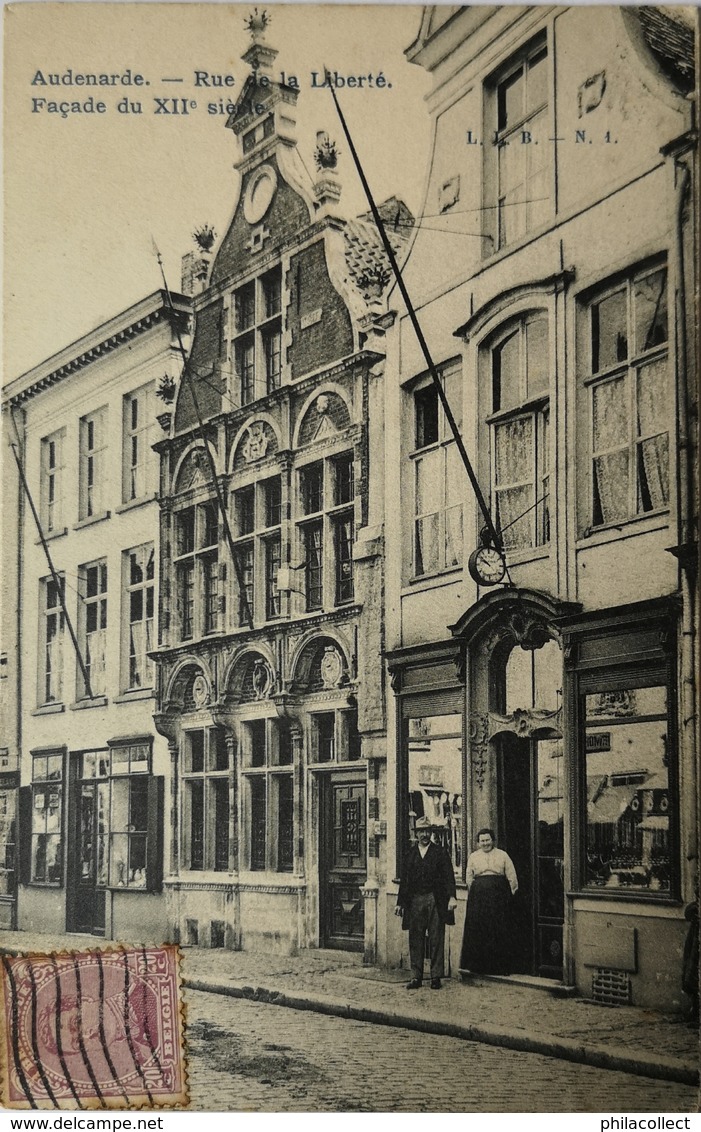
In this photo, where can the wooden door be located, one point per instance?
(343, 863)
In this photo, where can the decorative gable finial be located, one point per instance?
(204, 237)
(326, 153)
(257, 22)
(166, 389)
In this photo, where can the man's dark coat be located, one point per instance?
(442, 878)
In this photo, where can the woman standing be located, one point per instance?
(492, 884)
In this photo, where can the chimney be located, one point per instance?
(194, 271)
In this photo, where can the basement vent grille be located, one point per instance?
(611, 988)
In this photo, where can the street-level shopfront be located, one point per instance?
(91, 850)
(558, 729)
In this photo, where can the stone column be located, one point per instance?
(232, 753)
(296, 738)
(174, 807)
(370, 891)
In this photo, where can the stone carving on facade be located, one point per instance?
(200, 691)
(590, 93)
(524, 721)
(528, 632)
(479, 745)
(255, 445)
(331, 667)
(262, 679)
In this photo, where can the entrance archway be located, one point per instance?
(516, 772)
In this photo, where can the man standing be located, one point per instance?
(426, 902)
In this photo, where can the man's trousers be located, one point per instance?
(424, 920)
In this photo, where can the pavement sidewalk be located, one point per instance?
(500, 1013)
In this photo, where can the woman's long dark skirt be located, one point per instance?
(486, 941)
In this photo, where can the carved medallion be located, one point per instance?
(331, 667)
(256, 444)
(200, 691)
(262, 679)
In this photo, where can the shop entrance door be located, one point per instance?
(531, 832)
(87, 852)
(343, 864)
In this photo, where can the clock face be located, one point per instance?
(487, 566)
(259, 194)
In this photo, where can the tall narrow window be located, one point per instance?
(51, 690)
(206, 809)
(520, 432)
(517, 165)
(314, 564)
(197, 569)
(269, 797)
(257, 346)
(93, 441)
(52, 481)
(439, 481)
(343, 545)
(272, 565)
(47, 818)
(327, 499)
(244, 553)
(94, 623)
(140, 605)
(138, 420)
(258, 516)
(630, 395)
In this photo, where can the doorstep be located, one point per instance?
(331, 955)
(534, 982)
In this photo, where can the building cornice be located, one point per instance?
(99, 342)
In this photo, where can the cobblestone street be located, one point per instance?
(248, 1056)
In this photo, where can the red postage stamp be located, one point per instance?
(93, 1029)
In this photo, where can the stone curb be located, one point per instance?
(639, 1064)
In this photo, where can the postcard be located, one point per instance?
(349, 694)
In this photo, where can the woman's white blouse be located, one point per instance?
(494, 863)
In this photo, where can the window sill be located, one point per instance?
(57, 884)
(610, 532)
(131, 504)
(532, 405)
(49, 535)
(491, 258)
(270, 878)
(135, 694)
(419, 581)
(48, 709)
(207, 877)
(96, 701)
(626, 896)
(525, 555)
(91, 519)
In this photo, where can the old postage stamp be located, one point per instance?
(92, 1029)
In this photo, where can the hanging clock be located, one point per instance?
(487, 565)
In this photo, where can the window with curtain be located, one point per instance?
(630, 394)
(140, 596)
(439, 481)
(519, 420)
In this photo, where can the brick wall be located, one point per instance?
(287, 214)
(311, 290)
